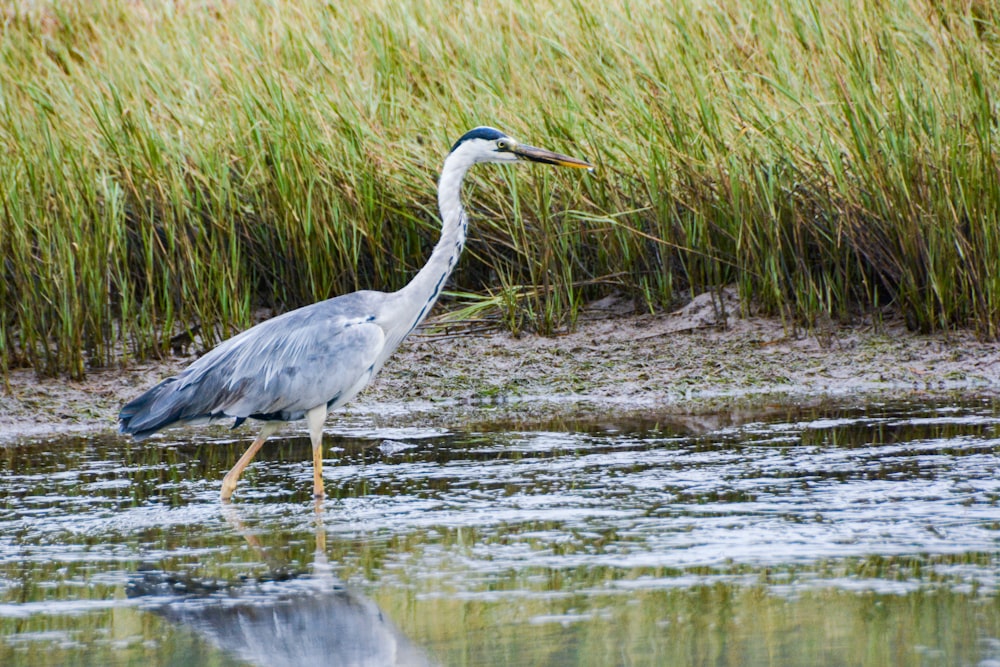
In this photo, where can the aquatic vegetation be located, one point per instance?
(169, 167)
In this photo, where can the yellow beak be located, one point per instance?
(548, 157)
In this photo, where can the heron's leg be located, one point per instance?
(315, 419)
(233, 476)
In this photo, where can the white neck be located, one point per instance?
(418, 297)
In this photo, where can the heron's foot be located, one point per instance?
(318, 492)
(228, 486)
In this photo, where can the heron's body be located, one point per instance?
(278, 370)
(306, 362)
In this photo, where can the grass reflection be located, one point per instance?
(716, 624)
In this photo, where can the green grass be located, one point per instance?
(169, 167)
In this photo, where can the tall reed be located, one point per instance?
(169, 167)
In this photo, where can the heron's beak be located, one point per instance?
(548, 157)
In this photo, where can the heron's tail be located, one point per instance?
(158, 408)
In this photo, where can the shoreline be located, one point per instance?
(683, 363)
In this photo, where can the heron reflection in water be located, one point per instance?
(284, 617)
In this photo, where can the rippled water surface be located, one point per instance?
(842, 535)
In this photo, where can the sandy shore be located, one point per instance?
(693, 361)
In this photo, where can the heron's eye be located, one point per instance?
(503, 145)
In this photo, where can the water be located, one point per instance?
(824, 536)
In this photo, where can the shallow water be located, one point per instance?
(824, 536)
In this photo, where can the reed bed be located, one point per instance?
(169, 167)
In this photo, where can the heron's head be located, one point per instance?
(486, 144)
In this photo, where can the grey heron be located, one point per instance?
(308, 361)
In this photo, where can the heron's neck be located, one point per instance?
(421, 293)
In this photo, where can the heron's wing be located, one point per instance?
(281, 368)
(290, 366)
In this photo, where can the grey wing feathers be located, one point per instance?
(278, 369)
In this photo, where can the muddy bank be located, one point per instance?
(703, 357)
